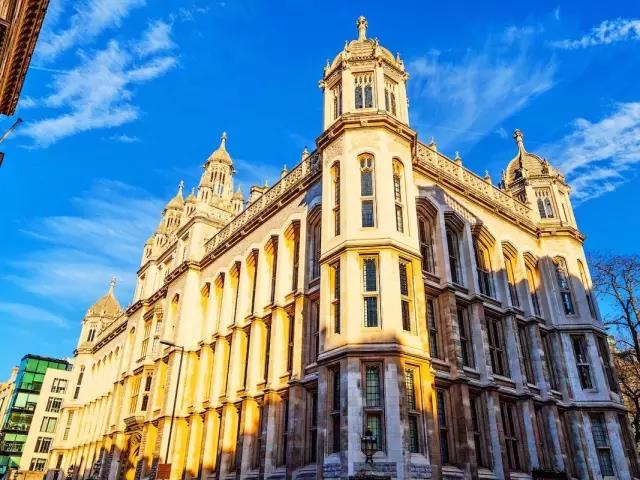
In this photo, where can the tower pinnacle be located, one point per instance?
(112, 284)
(223, 140)
(362, 28)
(519, 138)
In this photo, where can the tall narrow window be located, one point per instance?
(312, 442)
(464, 332)
(587, 289)
(133, 398)
(413, 413)
(563, 284)
(443, 427)
(547, 348)
(390, 96)
(397, 195)
(367, 193)
(247, 349)
(370, 291)
(453, 245)
(533, 290)
(545, 208)
(509, 264)
(267, 349)
(314, 249)
(254, 281)
(373, 404)
(314, 343)
(79, 383)
(582, 360)
(291, 332)
(364, 91)
(274, 267)
(496, 346)
(335, 301)
(627, 440)
(145, 341)
(605, 359)
(432, 325)
(483, 264)
(425, 234)
(285, 432)
(511, 429)
(145, 394)
(405, 295)
(523, 337)
(335, 409)
(479, 430)
(337, 100)
(601, 440)
(336, 199)
(296, 259)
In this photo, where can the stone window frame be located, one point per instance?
(415, 407)
(336, 196)
(432, 315)
(406, 295)
(367, 164)
(311, 433)
(336, 294)
(496, 341)
(465, 336)
(526, 360)
(513, 435)
(427, 219)
(584, 368)
(398, 194)
(335, 402)
(480, 428)
(374, 410)
(443, 412)
(370, 294)
(600, 436)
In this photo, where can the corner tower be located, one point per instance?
(375, 341)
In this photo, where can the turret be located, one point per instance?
(217, 179)
(532, 180)
(364, 77)
(104, 311)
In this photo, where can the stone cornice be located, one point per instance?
(17, 48)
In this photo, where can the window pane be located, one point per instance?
(367, 214)
(366, 183)
(372, 387)
(371, 311)
(370, 276)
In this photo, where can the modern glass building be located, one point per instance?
(14, 426)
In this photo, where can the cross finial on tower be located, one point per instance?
(362, 28)
(223, 139)
(112, 284)
(180, 187)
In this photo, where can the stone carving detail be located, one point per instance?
(305, 169)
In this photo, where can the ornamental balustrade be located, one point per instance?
(305, 170)
(474, 184)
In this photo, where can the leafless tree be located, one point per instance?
(616, 280)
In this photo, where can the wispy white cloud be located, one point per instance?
(157, 38)
(597, 157)
(77, 254)
(124, 138)
(17, 312)
(27, 102)
(477, 92)
(88, 20)
(608, 32)
(97, 93)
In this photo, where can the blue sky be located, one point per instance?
(124, 98)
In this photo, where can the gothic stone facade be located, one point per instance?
(378, 285)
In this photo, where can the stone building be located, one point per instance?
(470, 344)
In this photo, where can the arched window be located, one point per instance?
(336, 198)
(563, 284)
(367, 191)
(587, 289)
(390, 96)
(397, 195)
(483, 267)
(364, 90)
(337, 100)
(453, 247)
(545, 207)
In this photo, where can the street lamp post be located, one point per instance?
(369, 446)
(175, 398)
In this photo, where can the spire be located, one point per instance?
(180, 187)
(284, 171)
(305, 153)
(223, 140)
(112, 285)
(362, 28)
